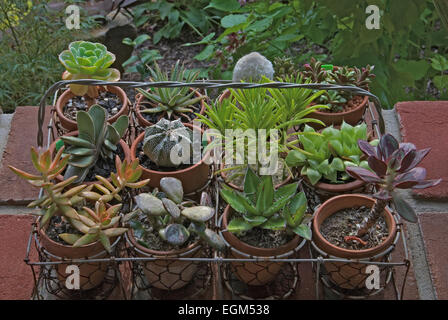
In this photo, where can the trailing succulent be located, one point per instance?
(99, 224)
(393, 166)
(167, 142)
(326, 155)
(171, 101)
(88, 60)
(172, 218)
(260, 205)
(96, 138)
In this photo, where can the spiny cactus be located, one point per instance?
(88, 60)
(171, 100)
(166, 142)
(96, 138)
(168, 215)
(252, 67)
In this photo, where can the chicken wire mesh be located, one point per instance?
(202, 273)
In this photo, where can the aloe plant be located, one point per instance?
(96, 138)
(326, 155)
(169, 215)
(260, 205)
(394, 166)
(88, 60)
(171, 101)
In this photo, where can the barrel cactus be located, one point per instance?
(96, 138)
(167, 142)
(88, 60)
(253, 67)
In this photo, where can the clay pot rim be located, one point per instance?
(117, 90)
(244, 247)
(122, 143)
(336, 188)
(179, 252)
(145, 123)
(234, 186)
(348, 252)
(364, 103)
(140, 137)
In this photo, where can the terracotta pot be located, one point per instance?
(238, 188)
(327, 190)
(91, 274)
(145, 123)
(193, 178)
(349, 275)
(352, 117)
(71, 125)
(168, 274)
(123, 145)
(254, 273)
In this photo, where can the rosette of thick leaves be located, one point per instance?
(394, 166)
(87, 60)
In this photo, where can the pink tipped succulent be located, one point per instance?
(394, 166)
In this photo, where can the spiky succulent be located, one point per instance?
(173, 218)
(326, 155)
(171, 101)
(394, 166)
(57, 199)
(167, 142)
(96, 138)
(364, 77)
(88, 60)
(315, 72)
(285, 68)
(260, 205)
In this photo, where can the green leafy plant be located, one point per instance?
(171, 101)
(165, 140)
(172, 218)
(328, 154)
(440, 64)
(96, 138)
(88, 60)
(142, 57)
(263, 207)
(394, 166)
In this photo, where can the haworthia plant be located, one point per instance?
(96, 138)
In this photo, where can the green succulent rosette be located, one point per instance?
(87, 60)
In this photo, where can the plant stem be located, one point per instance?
(372, 218)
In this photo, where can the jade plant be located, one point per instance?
(393, 166)
(326, 155)
(96, 138)
(88, 60)
(173, 218)
(166, 142)
(260, 205)
(172, 102)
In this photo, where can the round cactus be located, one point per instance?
(252, 67)
(167, 142)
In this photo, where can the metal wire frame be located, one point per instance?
(217, 260)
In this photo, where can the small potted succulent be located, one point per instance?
(361, 227)
(78, 223)
(170, 103)
(259, 213)
(166, 150)
(88, 60)
(165, 224)
(344, 106)
(93, 147)
(324, 156)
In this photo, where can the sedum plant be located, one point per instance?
(328, 154)
(88, 60)
(169, 215)
(171, 101)
(394, 166)
(260, 205)
(96, 138)
(166, 142)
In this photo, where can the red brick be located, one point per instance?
(16, 280)
(425, 124)
(434, 227)
(23, 133)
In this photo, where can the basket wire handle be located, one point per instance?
(201, 84)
